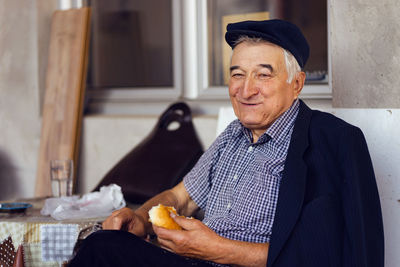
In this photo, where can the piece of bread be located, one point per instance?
(160, 216)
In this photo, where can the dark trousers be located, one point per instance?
(120, 248)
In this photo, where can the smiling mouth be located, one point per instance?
(249, 104)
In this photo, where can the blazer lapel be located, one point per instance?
(292, 188)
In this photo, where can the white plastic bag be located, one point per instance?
(91, 205)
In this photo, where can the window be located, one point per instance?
(134, 51)
(157, 50)
(129, 47)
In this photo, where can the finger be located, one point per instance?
(114, 222)
(112, 225)
(166, 244)
(156, 229)
(164, 233)
(186, 223)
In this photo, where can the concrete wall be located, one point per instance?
(365, 53)
(19, 99)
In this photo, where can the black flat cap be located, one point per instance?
(279, 32)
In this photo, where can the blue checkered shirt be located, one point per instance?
(236, 182)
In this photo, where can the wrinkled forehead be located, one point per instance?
(259, 52)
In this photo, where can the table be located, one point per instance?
(41, 240)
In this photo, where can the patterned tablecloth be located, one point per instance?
(43, 240)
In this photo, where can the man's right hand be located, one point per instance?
(137, 222)
(128, 220)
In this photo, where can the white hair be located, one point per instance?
(292, 66)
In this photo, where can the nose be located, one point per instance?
(249, 88)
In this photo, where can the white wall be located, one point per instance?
(381, 129)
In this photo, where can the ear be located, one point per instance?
(298, 83)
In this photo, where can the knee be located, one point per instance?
(97, 246)
(93, 241)
(107, 239)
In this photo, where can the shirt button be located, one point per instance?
(250, 149)
(228, 206)
(235, 177)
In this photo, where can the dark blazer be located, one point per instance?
(328, 212)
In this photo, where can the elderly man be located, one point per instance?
(282, 186)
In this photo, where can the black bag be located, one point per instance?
(161, 160)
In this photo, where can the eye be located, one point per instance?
(237, 75)
(263, 75)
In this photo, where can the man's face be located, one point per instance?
(258, 89)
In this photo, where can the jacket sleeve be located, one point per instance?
(363, 244)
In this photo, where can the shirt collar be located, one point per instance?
(279, 128)
(282, 126)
